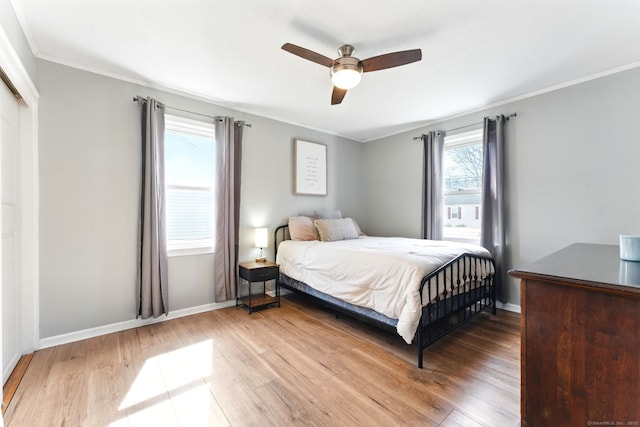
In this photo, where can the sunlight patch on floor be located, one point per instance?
(170, 386)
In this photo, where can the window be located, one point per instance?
(462, 186)
(189, 182)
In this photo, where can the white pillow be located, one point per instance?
(331, 230)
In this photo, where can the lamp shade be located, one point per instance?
(346, 77)
(346, 71)
(262, 237)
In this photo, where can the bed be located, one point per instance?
(421, 289)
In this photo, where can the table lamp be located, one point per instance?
(262, 241)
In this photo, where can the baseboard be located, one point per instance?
(10, 366)
(129, 324)
(11, 384)
(509, 307)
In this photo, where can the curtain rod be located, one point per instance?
(5, 78)
(137, 98)
(466, 126)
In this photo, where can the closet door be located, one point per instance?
(10, 216)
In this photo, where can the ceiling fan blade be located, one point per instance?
(308, 54)
(337, 95)
(390, 60)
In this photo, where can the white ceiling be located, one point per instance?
(475, 52)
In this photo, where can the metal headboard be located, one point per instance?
(280, 234)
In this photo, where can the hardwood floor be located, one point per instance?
(293, 365)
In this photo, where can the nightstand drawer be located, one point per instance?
(259, 274)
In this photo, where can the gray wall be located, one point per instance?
(89, 163)
(572, 167)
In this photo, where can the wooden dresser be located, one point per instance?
(580, 338)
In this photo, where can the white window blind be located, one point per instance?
(189, 181)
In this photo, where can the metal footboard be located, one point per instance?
(452, 294)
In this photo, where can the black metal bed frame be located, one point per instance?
(453, 297)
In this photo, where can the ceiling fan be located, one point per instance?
(347, 70)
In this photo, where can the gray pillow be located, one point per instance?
(326, 214)
(331, 230)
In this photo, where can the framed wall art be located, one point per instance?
(309, 168)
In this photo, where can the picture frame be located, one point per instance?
(309, 168)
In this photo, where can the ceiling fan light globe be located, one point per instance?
(346, 78)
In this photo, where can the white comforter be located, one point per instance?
(380, 273)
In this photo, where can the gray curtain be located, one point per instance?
(227, 194)
(493, 198)
(152, 250)
(433, 198)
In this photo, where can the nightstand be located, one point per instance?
(251, 272)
